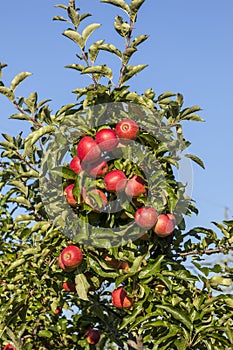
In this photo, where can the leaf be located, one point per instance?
(18, 79)
(64, 172)
(82, 286)
(45, 334)
(7, 92)
(15, 264)
(134, 7)
(110, 48)
(74, 16)
(151, 269)
(89, 30)
(36, 135)
(102, 70)
(131, 71)
(60, 18)
(190, 110)
(119, 3)
(140, 39)
(78, 67)
(178, 314)
(94, 50)
(195, 159)
(121, 27)
(193, 117)
(20, 116)
(74, 36)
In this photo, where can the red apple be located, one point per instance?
(106, 139)
(145, 217)
(115, 181)
(165, 225)
(127, 129)
(71, 256)
(135, 186)
(9, 347)
(69, 286)
(93, 336)
(97, 169)
(88, 150)
(63, 267)
(120, 298)
(58, 310)
(69, 195)
(75, 165)
(91, 201)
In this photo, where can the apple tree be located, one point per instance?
(94, 247)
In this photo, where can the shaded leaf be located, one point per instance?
(196, 160)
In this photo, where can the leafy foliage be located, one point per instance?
(174, 308)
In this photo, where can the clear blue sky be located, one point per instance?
(190, 50)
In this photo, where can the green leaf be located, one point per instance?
(110, 48)
(74, 36)
(134, 7)
(45, 334)
(219, 280)
(82, 286)
(89, 30)
(121, 27)
(130, 71)
(119, 3)
(76, 66)
(20, 116)
(74, 16)
(178, 314)
(60, 18)
(196, 160)
(94, 50)
(190, 110)
(151, 269)
(102, 70)
(36, 135)
(7, 92)
(64, 172)
(18, 79)
(140, 39)
(15, 264)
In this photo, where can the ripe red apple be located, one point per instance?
(71, 256)
(69, 195)
(63, 267)
(58, 310)
(69, 286)
(145, 217)
(97, 169)
(127, 129)
(120, 298)
(165, 225)
(115, 181)
(91, 201)
(106, 139)
(88, 150)
(135, 186)
(75, 165)
(9, 347)
(93, 336)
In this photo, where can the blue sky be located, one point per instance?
(190, 50)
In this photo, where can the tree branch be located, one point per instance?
(206, 251)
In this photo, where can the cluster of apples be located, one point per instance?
(89, 158)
